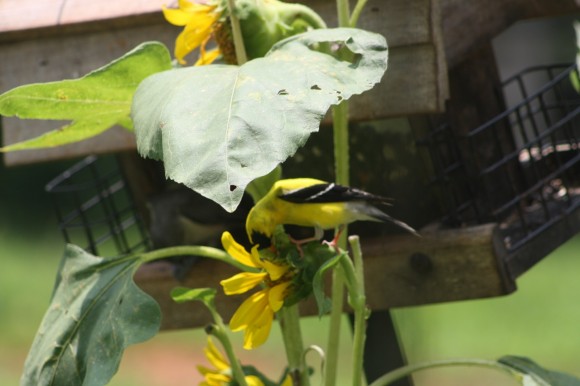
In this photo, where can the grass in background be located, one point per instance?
(541, 320)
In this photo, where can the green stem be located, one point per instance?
(241, 56)
(307, 14)
(194, 250)
(353, 21)
(341, 170)
(220, 332)
(402, 372)
(292, 335)
(358, 302)
(343, 12)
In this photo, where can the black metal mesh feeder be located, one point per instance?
(520, 169)
(95, 208)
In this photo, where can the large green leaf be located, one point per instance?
(94, 103)
(96, 311)
(218, 127)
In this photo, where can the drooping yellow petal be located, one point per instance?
(177, 16)
(257, 333)
(196, 31)
(215, 356)
(274, 270)
(237, 251)
(277, 294)
(252, 380)
(242, 282)
(207, 57)
(215, 379)
(250, 311)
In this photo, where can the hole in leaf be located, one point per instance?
(233, 187)
(283, 92)
(315, 87)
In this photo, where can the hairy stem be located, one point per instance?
(292, 335)
(241, 55)
(194, 250)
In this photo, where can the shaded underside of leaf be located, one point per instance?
(96, 311)
(94, 102)
(219, 127)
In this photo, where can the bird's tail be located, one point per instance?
(379, 215)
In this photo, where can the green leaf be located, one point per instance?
(219, 127)
(322, 301)
(96, 311)
(536, 375)
(94, 103)
(204, 295)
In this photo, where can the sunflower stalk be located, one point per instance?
(220, 332)
(194, 250)
(341, 170)
(238, 38)
(292, 336)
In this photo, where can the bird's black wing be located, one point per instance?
(330, 192)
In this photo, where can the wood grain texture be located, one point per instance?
(455, 265)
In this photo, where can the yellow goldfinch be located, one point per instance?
(314, 203)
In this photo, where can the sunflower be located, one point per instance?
(255, 314)
(200, 20)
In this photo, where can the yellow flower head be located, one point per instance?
(199, 20)
(220, 375)
(255, 314)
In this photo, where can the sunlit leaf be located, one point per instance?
(204, 295)
(94, 103)
(96, 311)
(219, 127)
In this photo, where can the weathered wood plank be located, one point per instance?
(400, 271)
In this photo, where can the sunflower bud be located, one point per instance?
(263, 24)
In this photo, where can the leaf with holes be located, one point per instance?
(94, 103)
(219, 127)
(96, 311)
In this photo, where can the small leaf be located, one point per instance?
(219, 127)
(96, 311)
(534, 375)
(94, 103)
(322, 301)
(204, 295)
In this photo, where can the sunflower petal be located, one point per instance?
(257, 333)
(177, 16)
(252, 380)
(237, 251)
(215, 356)
(277, 294)
(274, 270)
(250, 311)
(242, 282)
(208, 57)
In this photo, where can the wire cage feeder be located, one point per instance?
(95, 208)
(520, 169)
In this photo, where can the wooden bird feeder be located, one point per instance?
(492, 189)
